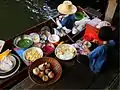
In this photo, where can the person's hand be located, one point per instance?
(60, 17)
(86, 49)
(95, 41)
(58, 23)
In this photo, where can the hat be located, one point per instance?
(67, 8)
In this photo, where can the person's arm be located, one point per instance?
(62, 20)
(58, 23)
(95, 53)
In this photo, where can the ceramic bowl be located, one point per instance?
(53, 38)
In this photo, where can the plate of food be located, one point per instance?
(32, 54)
(23, 41)
(65, 52)
(45, 71)
(9, 65)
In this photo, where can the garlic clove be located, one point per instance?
(41, 74)
(51, 75)
(36, 71)
(41, 67)
(47, 71)
(45, 78)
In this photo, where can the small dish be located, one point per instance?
(23, 41)
(53, 38)
(35, 37)
(87, 43)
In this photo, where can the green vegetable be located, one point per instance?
(24, 43)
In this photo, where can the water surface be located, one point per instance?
(14, 18)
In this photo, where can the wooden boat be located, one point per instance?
(23, 71)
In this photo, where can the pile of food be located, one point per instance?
(33, 54)
(48, 48)
(44, 71)
(65, 52)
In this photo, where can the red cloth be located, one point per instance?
(91, 33)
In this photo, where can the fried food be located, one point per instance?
(32, 55)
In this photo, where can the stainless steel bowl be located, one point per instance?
(17, 39)
(67, 53)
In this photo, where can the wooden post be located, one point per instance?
(112, 4)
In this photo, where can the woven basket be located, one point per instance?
(56, 68)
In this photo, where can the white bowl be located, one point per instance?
(53, 38)
(35, 48)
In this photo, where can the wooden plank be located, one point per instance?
(112, 4)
